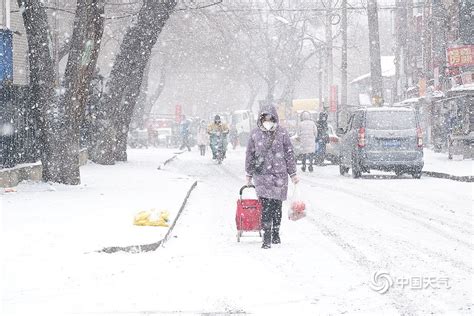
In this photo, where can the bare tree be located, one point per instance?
(123, 86)
(59, 115)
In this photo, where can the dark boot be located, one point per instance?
(276, 235)
(303, 168)
(267, 239)
(310, 168)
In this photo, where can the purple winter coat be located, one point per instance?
(279, 160)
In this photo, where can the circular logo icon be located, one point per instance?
(381, 282)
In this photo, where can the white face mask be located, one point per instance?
(268, 125)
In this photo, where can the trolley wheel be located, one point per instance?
(239, 234)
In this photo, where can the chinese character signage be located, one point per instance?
(461, 56)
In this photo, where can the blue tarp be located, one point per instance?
(6, 56)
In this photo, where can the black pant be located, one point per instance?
(271, 214)
(202, 149)
(185, 143)
(308, 157)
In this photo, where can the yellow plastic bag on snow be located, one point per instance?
(152, 218)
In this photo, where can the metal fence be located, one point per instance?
(18, 133)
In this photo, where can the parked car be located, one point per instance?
(138, 138)
(332, 148)
(164, 136)
(244, 122)
(382, 138)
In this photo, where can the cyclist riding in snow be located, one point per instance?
(218, 138)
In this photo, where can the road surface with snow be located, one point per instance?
(417, 234)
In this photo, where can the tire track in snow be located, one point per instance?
(451, 221)
(433, 254)
(398, 210)
(399, 300)
(408, 247)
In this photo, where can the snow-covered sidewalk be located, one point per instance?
(439, 163)
(99, 212)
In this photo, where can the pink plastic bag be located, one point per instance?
(298, 206)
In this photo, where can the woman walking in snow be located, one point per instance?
(269, 161)
(202, 138)
(307, 132)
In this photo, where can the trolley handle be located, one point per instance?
(245, 187)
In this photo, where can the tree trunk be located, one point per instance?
(143, 110)
(252, 96)
(42, 85)
(57, 122)
(124, 118)
(138, 119)
(83, 55)
(156, 94)
(128, 68)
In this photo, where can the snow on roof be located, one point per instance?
(466, 87)
(388, 69)
(388, 108)
(411, 100)
(438, 94)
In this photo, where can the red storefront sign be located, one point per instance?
(178, 112)
(461, 56)
(333, 99)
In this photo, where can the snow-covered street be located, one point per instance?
(418, 231)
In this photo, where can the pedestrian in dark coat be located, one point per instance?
(323, 137)
(185, 126)
(269, 161)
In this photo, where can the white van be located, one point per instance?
(244, 122)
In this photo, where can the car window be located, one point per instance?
(236, 118)
(358, 119)
(349, 124)
(391, 120)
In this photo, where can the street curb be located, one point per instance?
(155, 245)
(447, 176)
(167, 161)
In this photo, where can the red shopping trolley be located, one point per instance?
(248, 215)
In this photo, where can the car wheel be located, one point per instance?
(416, 174)
(343, 170)
(356, 172)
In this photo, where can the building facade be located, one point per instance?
(11, 24)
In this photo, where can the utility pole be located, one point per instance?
(343, 62)
(376, 79)
(397, 86)
(320, 78)
(439, 37)
(426, 52)
(329, 65)
(411, 57)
